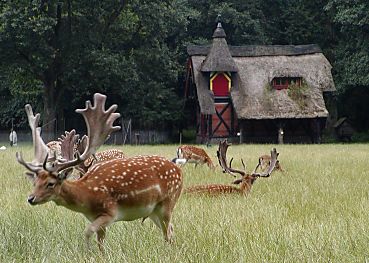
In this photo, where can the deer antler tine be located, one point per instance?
(243, 164)
(29, 166)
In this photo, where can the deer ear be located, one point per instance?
(64, 174)
(237, 181)
(31, 176)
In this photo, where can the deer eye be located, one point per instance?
(50, 185)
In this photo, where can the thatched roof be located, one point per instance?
(204, 94)
(259, 51)
(251, 93)
(219, 57)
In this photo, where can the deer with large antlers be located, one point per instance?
(115, 190)
(192, 154)
(245, 183)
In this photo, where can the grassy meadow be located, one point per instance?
(317, 211)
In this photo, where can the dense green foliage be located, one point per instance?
(318, 211)
(60, 52)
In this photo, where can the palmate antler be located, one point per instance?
(67, 144)
(99, 124)
(222, 157)
(273, 161)
(40, 149)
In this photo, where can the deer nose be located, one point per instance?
(31, 199)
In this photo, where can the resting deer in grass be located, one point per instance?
(70, 144)
(245, 183)
(54, 148)
(192, 154)
(97, 157)
(115, 190)
(264, 163)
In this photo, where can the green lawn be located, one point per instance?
(318, 211)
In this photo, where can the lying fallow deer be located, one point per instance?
(192, 154)
(98, 157)
(54, 148)
(70, 144)
(115, 190)
(245, 182)
(264, 163)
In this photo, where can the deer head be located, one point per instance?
(47, 177)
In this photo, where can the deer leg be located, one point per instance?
(162, 217)
(100, 238)
(98, 226)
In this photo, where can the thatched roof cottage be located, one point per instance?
(258, 93)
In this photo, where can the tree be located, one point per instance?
(351, 58)
(77, 48)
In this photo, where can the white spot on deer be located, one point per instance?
(96, 188)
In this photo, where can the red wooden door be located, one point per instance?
(220, 84)
(222, 120)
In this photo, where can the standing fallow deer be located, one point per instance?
(114, 190)
(192, 154)
(245, 183)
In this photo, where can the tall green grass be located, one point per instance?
(318, 211)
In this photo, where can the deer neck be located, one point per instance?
(245, 186)
(68, 194)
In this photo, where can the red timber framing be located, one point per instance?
(222, 121)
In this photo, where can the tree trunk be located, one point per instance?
(49, 114)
